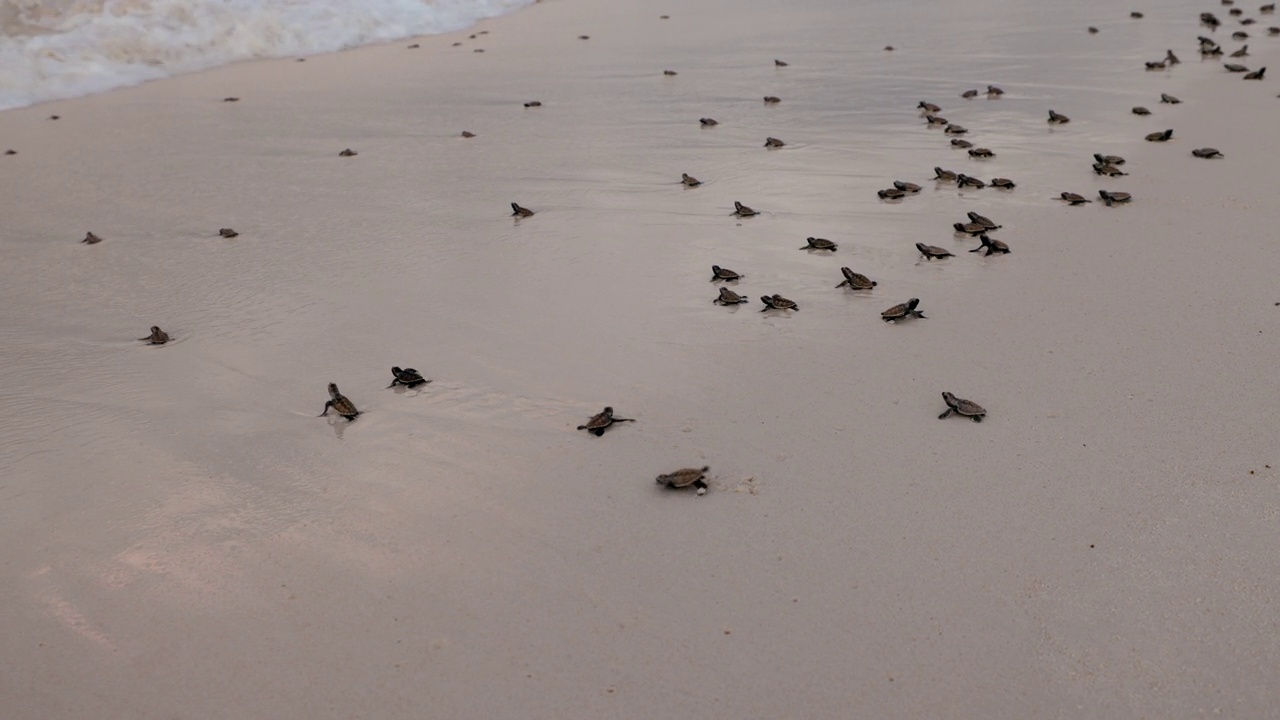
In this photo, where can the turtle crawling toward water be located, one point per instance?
(686, 477)
(1003, 183)
(1056, 118)
(773, 142)
(1109, 197)
(91, 239)
(708, 122)
(981, 153)
(601, 422)
(983, 220)
(742, 210)
(903, 310)
(1207, 153)
(933, 251)
(407, 377)
(719, 273)
(815, 243)
(992, 246)
(157, 336)
(689, 180)
(963, 180)
(228, 233)
(517, 211)
(943, 175)
(1075, 198)
(960, 406)
(1168, 99)
(971, 228)
(891, 194)
(1139, 110)
(348, 153)
(856, 281)
(777, 302)
(1160, 136)
(1108, 159)
(728, 297)
(906, 187)
(339, 404)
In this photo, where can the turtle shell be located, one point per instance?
(1004, 183)
(933, 251)
(956, 130)
(517, 211)
(91, 239)
(907, 186)
(969, 94)
(982, 220)
(961, 143)
(993, 90)
(967, 408)
(1160, 136)
(1075, 198)
(1235, 67)
(157, 336)
(816, 243)
(685, 477)
(772, 99)
(773, 142)
(1058, 118)
(855, 280)
(891, 194)
(944, 175)
(729, 297)
(777, 302)
(599, 421)
(972, 228)
(1108, 159)
(981, 153)
(1168, 99)
(967, 181)
(900, 311)
(1139, 110)
(708, 122)
(929, 107)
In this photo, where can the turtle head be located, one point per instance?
(912, 303)
(715, 269)
(333, 390)
(973, 216)
(924, 249)
(948, 398)
(395, 370)
(985, 240)
(608, 411)
(958, 226)
(737, 205)
(767, 300)
(155, 329)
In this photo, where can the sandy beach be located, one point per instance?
(182, 537)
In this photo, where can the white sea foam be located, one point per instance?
(51, 49)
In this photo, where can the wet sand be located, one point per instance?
(183, 538)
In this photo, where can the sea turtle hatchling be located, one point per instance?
(933, 251)
(1109, 197)
(348, 153)
(1168, 99)
(961, 143)
(689, 180)
(891, 194)
(1139, 110)
(742, 210)
(935, 120)
(1056, 118)
(780, 63)
(1108, 159)
(228, 233)
(1206, 153)
(1003, 183)
(670, 73)
(686, 477)
(983, 220)
(929, 108)
(728, 297)
(708, 122)
(816, 243)
(1160, 136)
(903, 310)
(856, 281)
(981, 153)
(777, 302)
(91, 239)
(601, 422)
(1108, 170)
(339, 404)
(772, 99)
(1235, 67)
(966, 181)
(533, 104)
(1242, 52)
(943, 175)
(773, 142)
(969, 94)
(994, 92)
(157, 336)
(971, 228)
(962, 407)
(992, 246)
(407, 377)
(517, 211)
(954, 129)
(907, 187)
(1256, 74)
(1075, 198)
(719, 273)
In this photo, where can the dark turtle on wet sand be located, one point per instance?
(533, 104)
(1239, 35)
(1093, 30)
(994, 92)
(991, 245)
(780, 63)
(517, 211)
(1108, 159)
(230, 99)
(1139, 110)
(10, 152)
(856, 281)
(689, 180)
(728, 297)
(1075, 198)
(348, 153)
(954, 129)
(772, 99)
(708, 122)
(1157, 65)
(969, 94)
(1108, 169)
(971, 228)
(982, 220)
(966, 181)
(891, 194)
(773, 142)
(1170, 58)
(933, 251)
(962, 407)
(1210, 49)
(1003, 183)
(1256, 74)
(1168, 99)
(340, 404)
(742, 210)
(670, 73)
(817, 243)
(686, 477)
(902, 311)
(777, 302)
(601, 422)
(228, 233)
(907, 187)
(157, 336)
(935, 121)
(407, 377)
(1273, 31)
(929, 108)
(961, 143)
(1235, 67)
(1056, 118)
(91, 239)
(1206, 153)
(1136, 15)
(1242, 52)
(981, 153)
(1160, 136)
(1109, 197)
(719, 273)
(468, 134)
(943, 175)
(1267, 9)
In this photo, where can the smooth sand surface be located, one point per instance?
(181, 537)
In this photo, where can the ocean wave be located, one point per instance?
(53, 49)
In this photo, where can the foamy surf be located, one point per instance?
(55, 49)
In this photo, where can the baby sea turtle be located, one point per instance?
(728, 297)
(1170, 58)
(1093, 30)
(982, 220)
(935, 121)
(933, 251)
(960, 406)
(517, 211)
(670, 73)
(1003, 183)
(970, 228)
(1267, 9)
(1109, 197)
(157, 336)
(891, 194)
(856, 281)
(1239, 35)
(719, 273)
(11, 151)
(601, 422)
(708, 122)
(415, 46)
(992, 245)
(772, 99)
(407, 377)
(1108, 159)
(1206, 153)
(954, 129)
(1168, 99)
(1136, 15)
(230, 99)
(339, 404)
(981, 153)
(944, 175)
(1210, 19)
(904, 310)
(1056, 118)
(91, 239)
(1235, 67)
(816, 243)
(468, 134)
(966, 181)
(906, 187)
(533, 103)
(961, 143)
(689, 180)
(1242, 52)
(969, 94)
(742, 210)
(348, 153)
(994, 92)
(777, 302)
(773, 142)
(1160, 136)
(1075, 198)
(929, 107)
(227, 232)
(1211, 49)
(1256, 74)
(686, 477)
(1157, 65)
(1139, 110)
(780, 63)
(584, 37)
(1108, 170)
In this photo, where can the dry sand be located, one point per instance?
(182, 538)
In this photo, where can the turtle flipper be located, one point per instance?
(326, 409)
(977, 418)
(846, 282)
(976, 249)
(917, 313)
(393, 384)
(944, 414)
(618, 419)
(701, 485)
(582, 427)
(598, 432)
